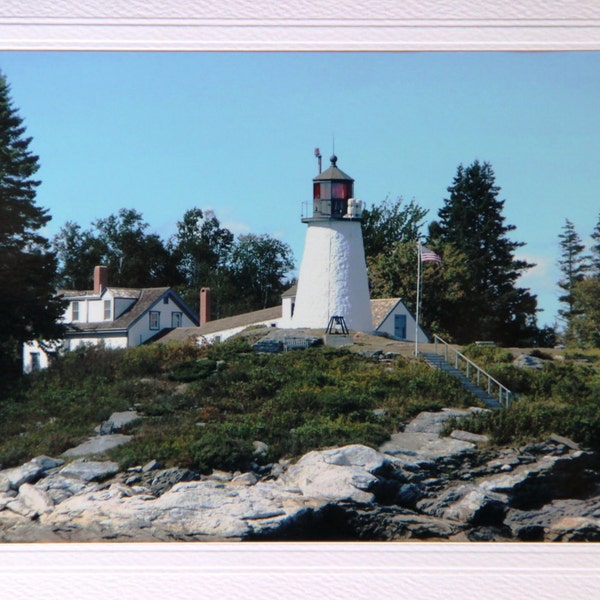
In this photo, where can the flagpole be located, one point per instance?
(418, 298)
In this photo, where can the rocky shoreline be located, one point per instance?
(417, 486)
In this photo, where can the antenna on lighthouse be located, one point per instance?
(318, 155)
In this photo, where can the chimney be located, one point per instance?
(204, 305)
(100, 279)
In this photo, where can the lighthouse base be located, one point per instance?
(333, 277)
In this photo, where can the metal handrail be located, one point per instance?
(504, 394)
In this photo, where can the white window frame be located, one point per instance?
(154, 320)
(176, 315)
(36, 364)
(75, 312)
(107, 310)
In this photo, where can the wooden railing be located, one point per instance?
(474, 372)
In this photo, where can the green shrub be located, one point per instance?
(517, 380)
(217, 448)
(322, 432)
(487, 355)
(535, 421)
(540, 354)
(192, 370)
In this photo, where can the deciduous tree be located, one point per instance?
(389, 223)
(260, 265)
(202, 249)
(78, 252)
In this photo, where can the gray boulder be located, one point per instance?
(117, 421)
(47, 463)
(340, 474)
(14, 478)
(59, 487)
(432, 422)
(167, 478)
(90, 470)
(551, 477)
(423, 447)
(98, 445)
(35, 499)
(467, 503)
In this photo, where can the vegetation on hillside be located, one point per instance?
(562, 397)
(204, 407)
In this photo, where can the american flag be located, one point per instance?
(428, 255)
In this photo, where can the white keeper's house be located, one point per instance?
(114, 317)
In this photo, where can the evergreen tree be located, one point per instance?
(28, 307)
(584, 325)
(595, 250)
(574, 266)
(488, 305)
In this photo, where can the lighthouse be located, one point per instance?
(332, 281)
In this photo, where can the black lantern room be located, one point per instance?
(331, 191)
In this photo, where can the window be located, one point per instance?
(107, 310)
(35, 361)
(154, 319)
(176, 319)
(75, 311)
(166, 300)
(400, 326)
(340, 190)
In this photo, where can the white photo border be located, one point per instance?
(303, 25)
(300, 570)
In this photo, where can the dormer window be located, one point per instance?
(107, 311)
(75, 311)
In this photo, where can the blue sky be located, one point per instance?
(235, 132)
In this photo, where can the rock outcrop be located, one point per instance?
(416, 486)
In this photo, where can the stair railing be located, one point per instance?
(474, 371)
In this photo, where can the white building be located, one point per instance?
(333, 279)
(114, 317)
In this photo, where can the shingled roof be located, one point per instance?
(380, 309)
(145, 298)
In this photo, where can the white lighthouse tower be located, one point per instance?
(333, 274)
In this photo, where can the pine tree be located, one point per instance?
(574, 266)
(490, 306)
(595, 250)
(28, 306)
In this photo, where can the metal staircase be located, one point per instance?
(473, 379)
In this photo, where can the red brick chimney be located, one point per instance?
(204, 305)
(100, 279)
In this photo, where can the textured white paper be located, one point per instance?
(274, 570)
